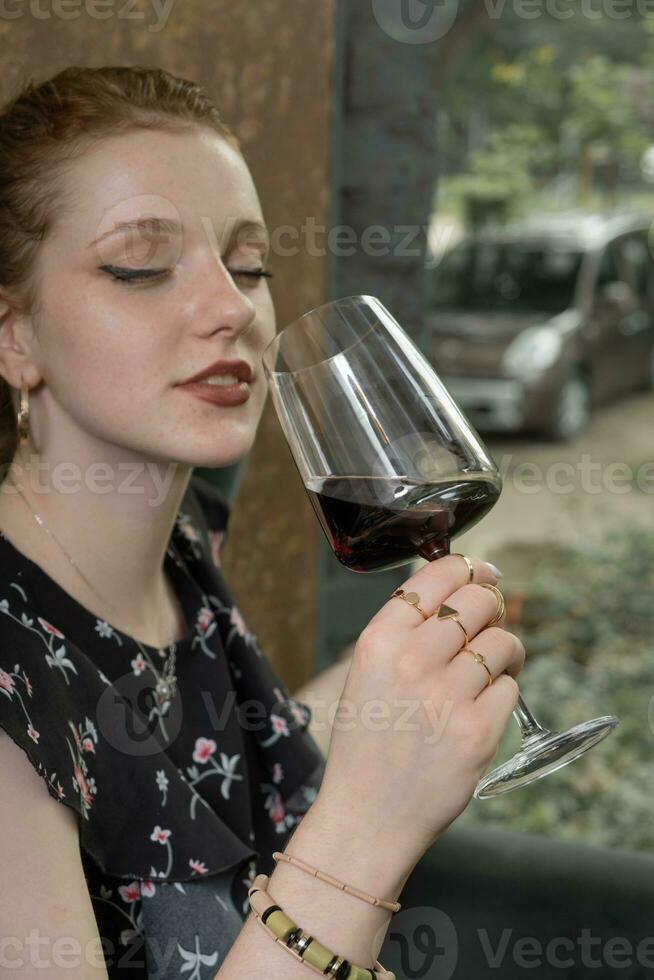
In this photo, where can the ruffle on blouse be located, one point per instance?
(191, 793)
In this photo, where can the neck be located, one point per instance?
(116, 529)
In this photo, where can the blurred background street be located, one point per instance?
(555, 509)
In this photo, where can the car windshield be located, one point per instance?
(506, 277)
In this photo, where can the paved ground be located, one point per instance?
(569, 492)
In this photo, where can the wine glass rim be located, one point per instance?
(316, 309)
(331, 302)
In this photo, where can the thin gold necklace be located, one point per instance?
(166, 686)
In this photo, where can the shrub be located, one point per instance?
(588, 627)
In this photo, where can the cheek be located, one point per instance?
(267, 319)
(111, 357)
(107, 353)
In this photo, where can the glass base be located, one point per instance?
(543, 753)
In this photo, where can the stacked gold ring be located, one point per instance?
(501, 605)
(471, 568)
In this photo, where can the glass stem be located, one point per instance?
(529, 727)
(432, 550)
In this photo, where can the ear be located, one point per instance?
(17, 344)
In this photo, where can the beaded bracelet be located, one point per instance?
(303, 947)
(382, 903)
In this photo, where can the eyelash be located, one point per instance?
(129, 276)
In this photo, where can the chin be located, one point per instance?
(223, 452)
(218, 462)
(222, 444)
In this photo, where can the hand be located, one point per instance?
(418, 723)
(321, 693)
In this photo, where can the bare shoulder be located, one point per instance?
(22, 785)
(42, 882)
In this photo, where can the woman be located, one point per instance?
(154, 761)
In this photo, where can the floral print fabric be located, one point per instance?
(179, 806)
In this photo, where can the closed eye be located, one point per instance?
(134, 275)
(251, 273)
(121, 274)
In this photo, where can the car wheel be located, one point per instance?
(573, 409)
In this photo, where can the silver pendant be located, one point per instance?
(165, 689)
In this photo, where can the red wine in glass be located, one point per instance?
(375, 523)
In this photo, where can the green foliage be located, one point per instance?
(600, 112)
(501, 173)
(588, 628)
(583, 95)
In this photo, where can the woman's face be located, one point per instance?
(112, 351)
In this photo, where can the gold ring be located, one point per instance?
(501, 605)
(480, 660)
(471, 567)
(412, 598)
(446, 612)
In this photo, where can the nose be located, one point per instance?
(222, 306)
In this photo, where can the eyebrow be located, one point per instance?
(146, 223)
(173, 226)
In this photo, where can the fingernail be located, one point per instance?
(495, 570)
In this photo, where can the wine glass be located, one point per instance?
(394, 470)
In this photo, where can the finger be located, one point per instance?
(445, 634)
(432, 583)
(497, 703)
(502, 652)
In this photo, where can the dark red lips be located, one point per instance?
(240, 370)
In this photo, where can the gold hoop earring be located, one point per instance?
(24, 414)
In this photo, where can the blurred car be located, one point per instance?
(532, 326)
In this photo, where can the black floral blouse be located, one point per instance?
(178, 809)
